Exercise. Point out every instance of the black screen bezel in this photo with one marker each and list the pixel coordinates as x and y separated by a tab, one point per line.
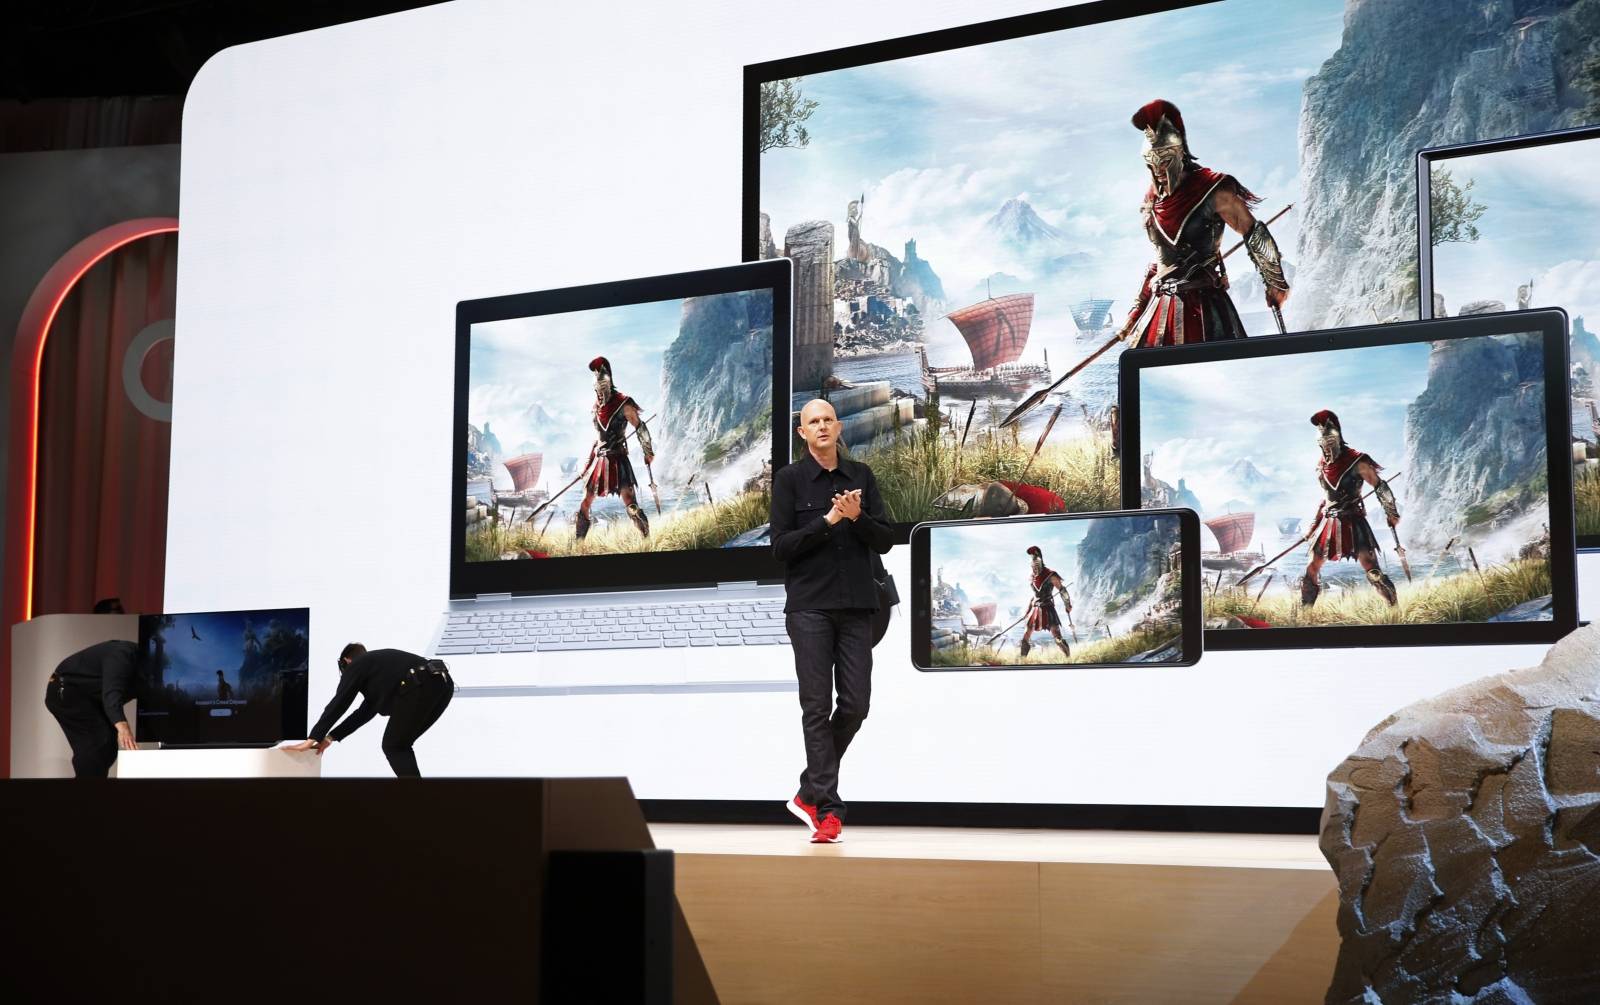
942	40
1549	323
1425	160
921	614
618	572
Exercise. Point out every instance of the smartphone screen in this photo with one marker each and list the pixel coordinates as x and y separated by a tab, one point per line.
1077	590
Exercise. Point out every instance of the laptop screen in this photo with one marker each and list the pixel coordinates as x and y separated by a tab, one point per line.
621	428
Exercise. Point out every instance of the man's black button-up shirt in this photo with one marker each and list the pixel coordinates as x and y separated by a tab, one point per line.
827	566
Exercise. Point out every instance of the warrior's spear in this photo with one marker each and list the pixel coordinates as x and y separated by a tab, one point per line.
581	474
1483	582
1442	556
1401	551
1042	437
964	430
1033	400
1258	570
1002	635
546	526
652	476
1270	576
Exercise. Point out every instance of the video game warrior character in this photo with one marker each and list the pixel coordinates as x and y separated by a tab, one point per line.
1042	616
224	689
610	471
1343	474
1184	295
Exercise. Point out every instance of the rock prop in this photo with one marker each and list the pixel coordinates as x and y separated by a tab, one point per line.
1466	840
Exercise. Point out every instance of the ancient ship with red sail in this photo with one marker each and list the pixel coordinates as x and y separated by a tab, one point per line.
1233	532
996	330
984	626
525	470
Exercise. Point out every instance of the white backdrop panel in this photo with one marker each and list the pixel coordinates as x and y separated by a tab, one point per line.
342	189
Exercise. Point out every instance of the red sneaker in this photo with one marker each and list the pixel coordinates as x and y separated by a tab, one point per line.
829	831
804	810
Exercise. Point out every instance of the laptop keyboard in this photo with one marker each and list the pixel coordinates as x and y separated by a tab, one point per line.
656	626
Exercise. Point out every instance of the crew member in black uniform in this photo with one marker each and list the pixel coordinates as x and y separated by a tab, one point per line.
86	695
411	690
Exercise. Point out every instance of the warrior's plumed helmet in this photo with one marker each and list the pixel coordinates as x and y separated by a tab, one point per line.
1166	144
600	365
1330	435
1162	123
1033	550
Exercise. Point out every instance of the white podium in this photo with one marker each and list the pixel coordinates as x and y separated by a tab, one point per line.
229	762
38	747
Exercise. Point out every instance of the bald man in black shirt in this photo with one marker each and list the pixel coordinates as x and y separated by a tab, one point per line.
411	690
828	521
86	695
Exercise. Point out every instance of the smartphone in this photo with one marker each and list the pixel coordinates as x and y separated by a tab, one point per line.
1068	590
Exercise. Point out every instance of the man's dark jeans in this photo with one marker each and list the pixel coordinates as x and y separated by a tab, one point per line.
832	649
423	697
82	717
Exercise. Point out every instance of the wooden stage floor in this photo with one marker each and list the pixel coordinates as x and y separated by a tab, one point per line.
924	914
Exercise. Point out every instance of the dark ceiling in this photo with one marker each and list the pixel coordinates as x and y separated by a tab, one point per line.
96	48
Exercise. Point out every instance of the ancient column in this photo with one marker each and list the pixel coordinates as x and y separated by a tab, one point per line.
810	246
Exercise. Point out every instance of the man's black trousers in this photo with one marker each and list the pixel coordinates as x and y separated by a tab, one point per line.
832	650
83	718
423	697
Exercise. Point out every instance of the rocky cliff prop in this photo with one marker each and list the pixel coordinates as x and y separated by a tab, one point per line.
1466	840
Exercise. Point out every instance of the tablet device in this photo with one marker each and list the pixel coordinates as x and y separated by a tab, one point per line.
1403	484
1508	224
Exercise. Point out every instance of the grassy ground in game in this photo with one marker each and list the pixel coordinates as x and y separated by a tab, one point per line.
702	527
1464	597
1586	502
915	470
1045	652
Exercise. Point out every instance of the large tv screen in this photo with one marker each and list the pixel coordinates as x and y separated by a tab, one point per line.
223	677
968	209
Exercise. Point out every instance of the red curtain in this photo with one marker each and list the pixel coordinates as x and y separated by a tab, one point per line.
101	529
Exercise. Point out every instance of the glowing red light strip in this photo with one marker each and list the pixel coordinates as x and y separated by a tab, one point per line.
57	284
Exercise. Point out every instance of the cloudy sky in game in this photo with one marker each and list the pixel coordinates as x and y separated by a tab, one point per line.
1541	221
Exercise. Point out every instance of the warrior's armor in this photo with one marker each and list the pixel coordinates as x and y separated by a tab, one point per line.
610	470
1184	295
1042	616
1345	532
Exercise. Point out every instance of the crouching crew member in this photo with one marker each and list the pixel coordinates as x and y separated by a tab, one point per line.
86	694
411	690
